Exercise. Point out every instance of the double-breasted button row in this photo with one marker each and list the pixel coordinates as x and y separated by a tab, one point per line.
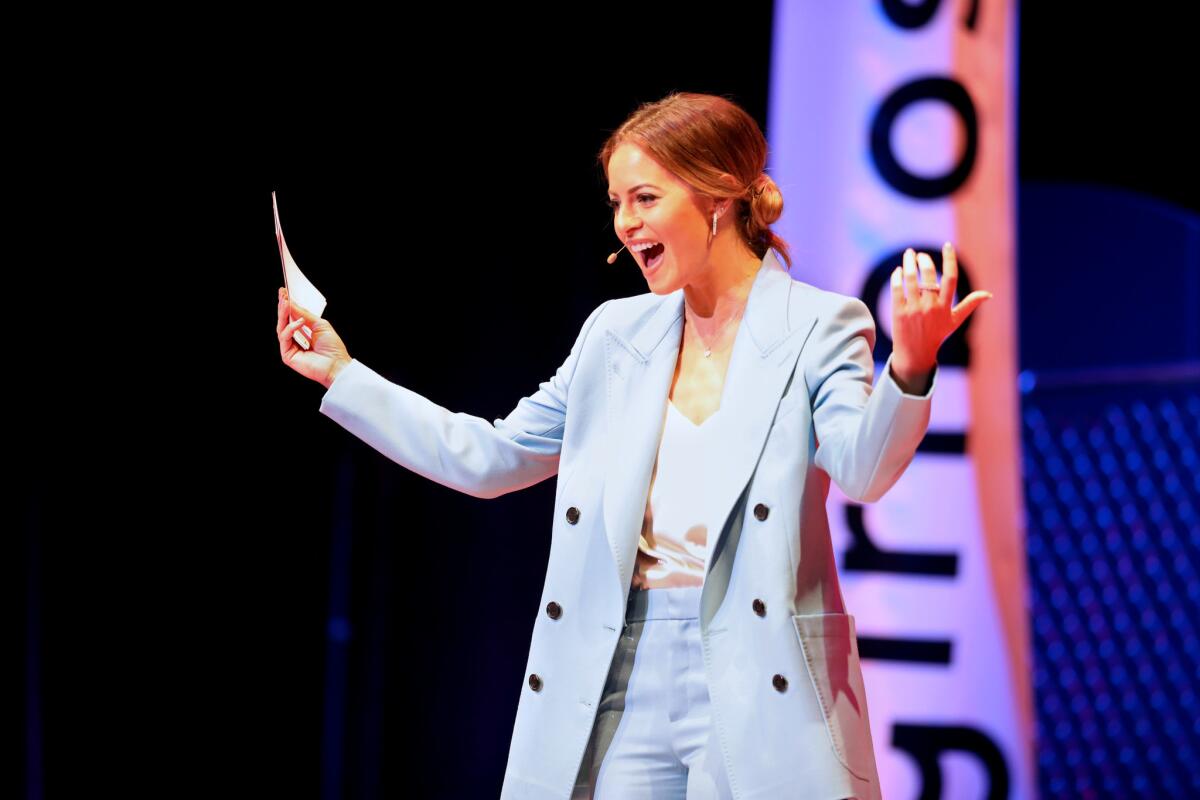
761	512
553	609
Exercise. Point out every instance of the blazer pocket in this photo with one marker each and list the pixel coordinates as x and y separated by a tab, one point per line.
830	648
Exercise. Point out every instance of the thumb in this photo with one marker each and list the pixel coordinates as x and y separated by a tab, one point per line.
968	305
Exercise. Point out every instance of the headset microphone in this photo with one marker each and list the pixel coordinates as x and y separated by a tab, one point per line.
613	257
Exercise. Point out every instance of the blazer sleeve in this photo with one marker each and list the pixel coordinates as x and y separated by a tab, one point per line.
458	450
866	437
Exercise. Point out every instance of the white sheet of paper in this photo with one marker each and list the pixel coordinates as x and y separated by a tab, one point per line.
300	289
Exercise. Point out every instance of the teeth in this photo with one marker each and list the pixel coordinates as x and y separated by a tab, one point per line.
637	248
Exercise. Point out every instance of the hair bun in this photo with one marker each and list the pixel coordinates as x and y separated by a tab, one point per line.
765	204
760	184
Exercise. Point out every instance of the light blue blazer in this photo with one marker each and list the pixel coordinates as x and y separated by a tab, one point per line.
780	649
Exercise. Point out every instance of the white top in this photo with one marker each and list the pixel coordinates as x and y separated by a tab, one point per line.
674	545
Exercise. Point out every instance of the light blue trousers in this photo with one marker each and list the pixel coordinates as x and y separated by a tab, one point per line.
653	736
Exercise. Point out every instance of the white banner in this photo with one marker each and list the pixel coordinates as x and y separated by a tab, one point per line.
892	125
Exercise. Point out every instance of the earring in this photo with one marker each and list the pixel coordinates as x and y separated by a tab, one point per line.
714	223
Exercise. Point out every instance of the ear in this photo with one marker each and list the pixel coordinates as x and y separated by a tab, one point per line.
724	204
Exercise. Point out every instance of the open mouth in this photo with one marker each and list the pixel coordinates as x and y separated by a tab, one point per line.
653	256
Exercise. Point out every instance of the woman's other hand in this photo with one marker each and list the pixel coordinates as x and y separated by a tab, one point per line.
327	356
922	320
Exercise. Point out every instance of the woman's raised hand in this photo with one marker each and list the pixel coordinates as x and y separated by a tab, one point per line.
923	319
327	356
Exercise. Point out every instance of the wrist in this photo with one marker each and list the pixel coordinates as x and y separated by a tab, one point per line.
336	368
912	380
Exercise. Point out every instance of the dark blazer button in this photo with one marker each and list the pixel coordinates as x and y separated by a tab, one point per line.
779	682
535	682
760	607
761	512
572	515
553	610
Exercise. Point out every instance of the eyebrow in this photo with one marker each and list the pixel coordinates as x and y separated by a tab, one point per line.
635	188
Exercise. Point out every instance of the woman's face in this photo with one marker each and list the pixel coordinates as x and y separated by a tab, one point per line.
652	205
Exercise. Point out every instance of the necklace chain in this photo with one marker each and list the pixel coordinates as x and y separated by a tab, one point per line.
732	317
724	325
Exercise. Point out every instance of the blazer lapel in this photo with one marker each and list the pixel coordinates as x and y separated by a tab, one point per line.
640	363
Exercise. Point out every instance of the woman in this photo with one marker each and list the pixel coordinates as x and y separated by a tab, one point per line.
692	638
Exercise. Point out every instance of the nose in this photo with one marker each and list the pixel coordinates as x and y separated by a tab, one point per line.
625	222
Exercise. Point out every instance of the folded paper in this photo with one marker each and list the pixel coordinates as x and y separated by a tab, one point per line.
299	288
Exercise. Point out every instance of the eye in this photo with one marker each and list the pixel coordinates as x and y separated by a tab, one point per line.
614	204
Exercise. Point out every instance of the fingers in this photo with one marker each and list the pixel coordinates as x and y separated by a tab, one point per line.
286	343
281	321
285	329
910	276
288	309
286	302
959	314
949	274
928	278
897	290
